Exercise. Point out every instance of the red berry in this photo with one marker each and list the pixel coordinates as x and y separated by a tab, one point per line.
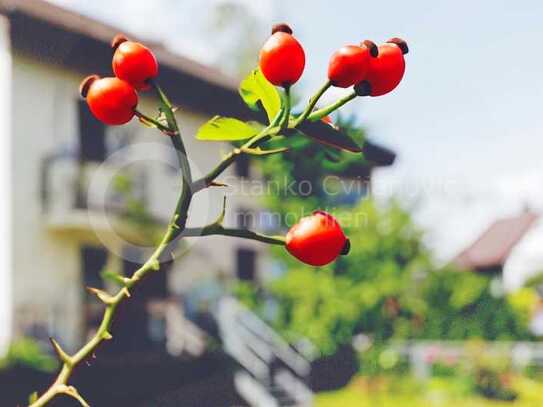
387	70
111	100
317	239
349	65
134	63
282	58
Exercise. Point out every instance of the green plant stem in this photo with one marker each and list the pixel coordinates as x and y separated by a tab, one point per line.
144	118
258	139
286	113
175	228
312	102
273	130
319	114
183	203
241	233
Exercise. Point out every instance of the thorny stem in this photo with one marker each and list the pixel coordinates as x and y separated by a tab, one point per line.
149	120
177	226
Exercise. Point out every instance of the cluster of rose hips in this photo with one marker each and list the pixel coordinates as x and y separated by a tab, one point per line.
372	70
113	100
317	239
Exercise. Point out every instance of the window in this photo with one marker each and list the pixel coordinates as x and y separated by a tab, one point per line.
93	260
242	166
246	264
245	218
92	135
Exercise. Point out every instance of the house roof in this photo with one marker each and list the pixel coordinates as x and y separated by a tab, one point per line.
493	247
63	37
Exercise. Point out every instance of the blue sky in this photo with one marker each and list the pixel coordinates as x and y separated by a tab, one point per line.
466	122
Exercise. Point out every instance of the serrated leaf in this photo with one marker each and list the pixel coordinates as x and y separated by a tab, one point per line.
255	89
330	136
225	129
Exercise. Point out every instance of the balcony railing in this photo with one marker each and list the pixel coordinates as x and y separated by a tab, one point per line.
82	197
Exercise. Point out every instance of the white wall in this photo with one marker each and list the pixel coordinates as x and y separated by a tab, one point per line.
46	265
5	186
46	278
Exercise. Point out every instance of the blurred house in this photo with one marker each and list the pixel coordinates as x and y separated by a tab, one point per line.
84	197
500	251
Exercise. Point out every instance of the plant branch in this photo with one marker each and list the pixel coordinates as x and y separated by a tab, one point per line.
174	230
325	111
286	113
242	233
229	159
149	121
312	102
280	123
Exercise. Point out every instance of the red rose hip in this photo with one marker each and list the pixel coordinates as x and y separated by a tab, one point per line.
133	62
282	58
349	65
317	239
111	100
386	71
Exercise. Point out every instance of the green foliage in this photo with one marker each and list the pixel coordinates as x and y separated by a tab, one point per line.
28	352
460	305
226	129
361	292
257	92
437	392
388	286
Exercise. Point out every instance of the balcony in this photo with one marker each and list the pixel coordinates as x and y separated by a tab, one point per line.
96	202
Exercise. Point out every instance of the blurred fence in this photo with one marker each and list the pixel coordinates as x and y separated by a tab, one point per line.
423	354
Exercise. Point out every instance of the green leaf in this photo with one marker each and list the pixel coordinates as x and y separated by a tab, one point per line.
225	129
255	88
330	136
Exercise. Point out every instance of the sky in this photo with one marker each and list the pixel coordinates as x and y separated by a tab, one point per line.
466	122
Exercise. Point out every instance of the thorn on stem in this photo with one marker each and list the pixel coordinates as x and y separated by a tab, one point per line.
220	219
126	292
63	356
155	265
102	295
72	392
217	184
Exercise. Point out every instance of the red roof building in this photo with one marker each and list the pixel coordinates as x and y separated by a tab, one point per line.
490	251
